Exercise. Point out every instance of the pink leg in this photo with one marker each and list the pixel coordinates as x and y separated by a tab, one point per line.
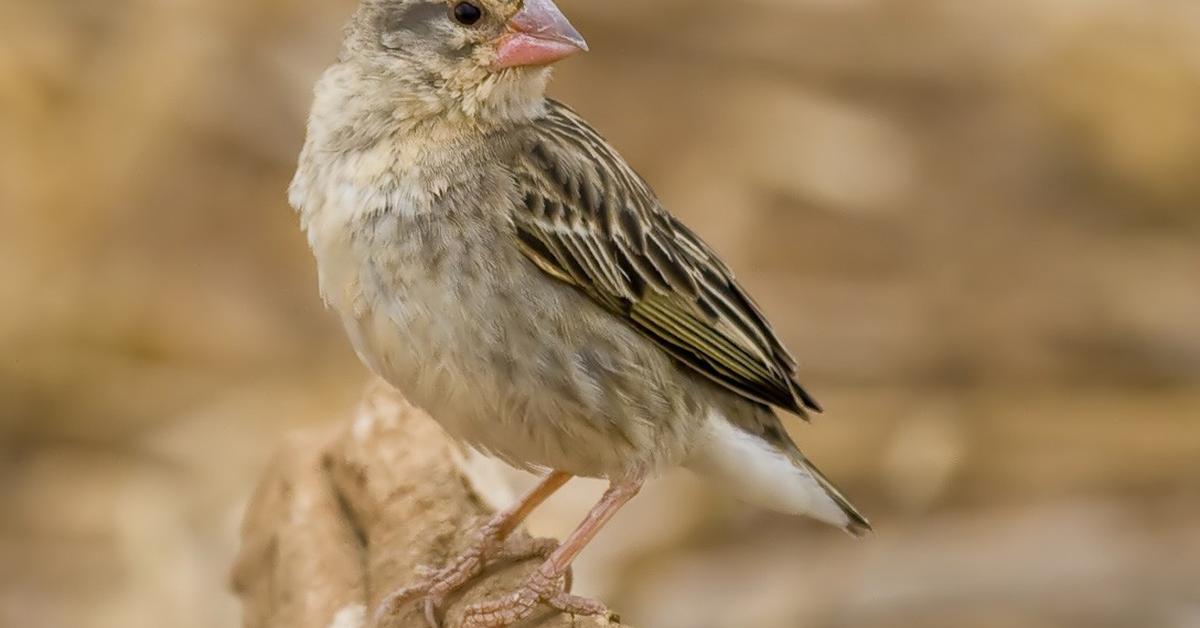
489	544
544	584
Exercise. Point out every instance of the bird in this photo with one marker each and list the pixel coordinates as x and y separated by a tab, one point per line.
493	257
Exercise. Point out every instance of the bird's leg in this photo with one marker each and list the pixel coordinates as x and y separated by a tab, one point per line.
545	584
490	543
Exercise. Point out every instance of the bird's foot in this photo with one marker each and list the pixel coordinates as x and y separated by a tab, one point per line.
437	584
543	586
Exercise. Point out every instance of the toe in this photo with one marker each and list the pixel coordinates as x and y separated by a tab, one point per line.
522	603
576	605
503	611
392	604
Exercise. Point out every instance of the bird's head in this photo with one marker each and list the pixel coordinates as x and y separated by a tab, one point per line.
483	61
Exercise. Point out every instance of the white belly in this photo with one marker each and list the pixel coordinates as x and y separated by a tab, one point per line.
423	341
445	308
426	329
505	358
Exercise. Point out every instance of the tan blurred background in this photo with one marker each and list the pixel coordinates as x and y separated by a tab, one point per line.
976	222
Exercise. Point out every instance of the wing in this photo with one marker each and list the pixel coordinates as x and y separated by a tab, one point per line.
589	220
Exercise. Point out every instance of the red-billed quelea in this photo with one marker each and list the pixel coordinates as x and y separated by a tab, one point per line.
495	259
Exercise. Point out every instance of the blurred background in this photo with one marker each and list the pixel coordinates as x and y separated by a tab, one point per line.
976	223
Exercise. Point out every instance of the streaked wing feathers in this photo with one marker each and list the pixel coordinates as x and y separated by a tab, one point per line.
589	220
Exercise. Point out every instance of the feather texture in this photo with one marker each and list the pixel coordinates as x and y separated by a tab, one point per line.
586	218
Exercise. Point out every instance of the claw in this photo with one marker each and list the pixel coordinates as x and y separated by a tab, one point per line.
436	585
576	605
492	541
431	612
543	586
542	547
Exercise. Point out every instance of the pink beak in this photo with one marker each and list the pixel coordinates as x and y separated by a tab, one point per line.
539	34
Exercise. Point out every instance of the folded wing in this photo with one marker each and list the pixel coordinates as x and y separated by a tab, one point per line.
588	219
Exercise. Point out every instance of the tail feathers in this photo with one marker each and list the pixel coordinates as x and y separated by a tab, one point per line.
857	524
774	475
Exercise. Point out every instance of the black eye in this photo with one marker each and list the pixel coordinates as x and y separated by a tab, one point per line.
467	14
